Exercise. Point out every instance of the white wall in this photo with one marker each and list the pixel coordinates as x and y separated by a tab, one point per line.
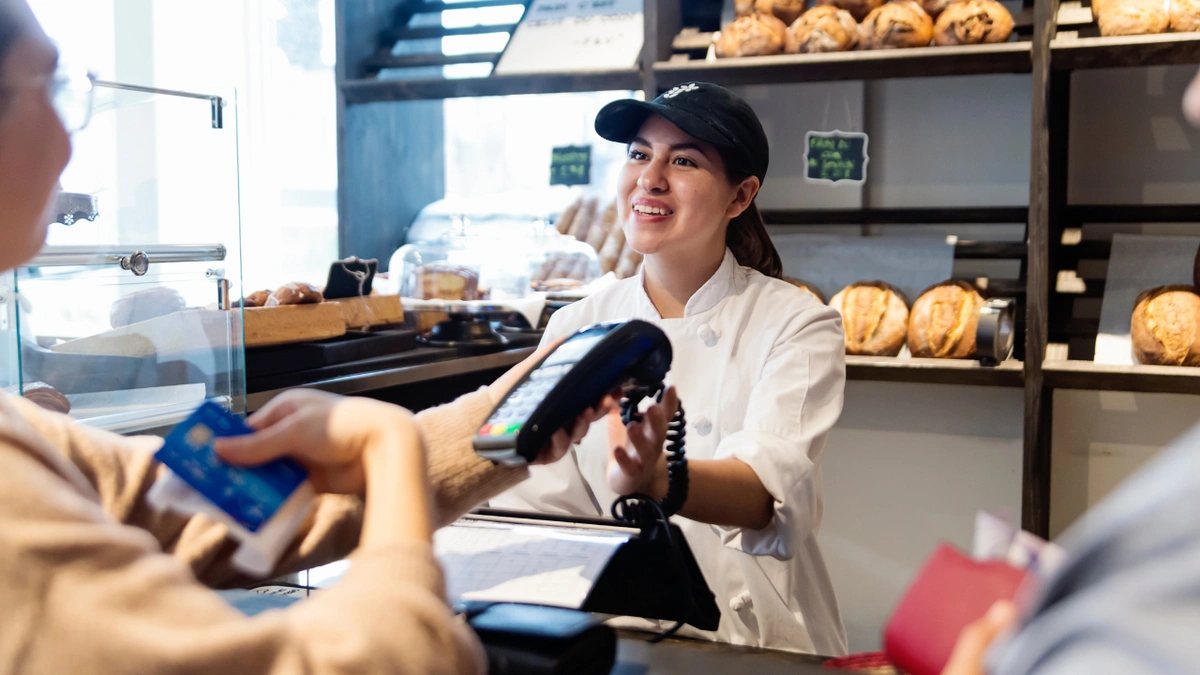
908	465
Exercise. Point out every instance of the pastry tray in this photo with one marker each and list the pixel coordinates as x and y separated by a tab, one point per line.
353	346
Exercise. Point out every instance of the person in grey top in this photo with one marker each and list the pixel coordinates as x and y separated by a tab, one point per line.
1128	598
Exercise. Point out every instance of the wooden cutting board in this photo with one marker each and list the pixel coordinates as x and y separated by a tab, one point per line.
266	326
372	310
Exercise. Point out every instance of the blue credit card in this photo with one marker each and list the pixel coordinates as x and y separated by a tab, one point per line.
250	495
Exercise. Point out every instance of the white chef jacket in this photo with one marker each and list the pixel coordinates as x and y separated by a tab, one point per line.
760	369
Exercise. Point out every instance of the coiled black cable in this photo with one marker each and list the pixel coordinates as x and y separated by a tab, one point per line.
647	512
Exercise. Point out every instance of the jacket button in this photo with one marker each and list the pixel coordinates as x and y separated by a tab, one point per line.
707	335
702	425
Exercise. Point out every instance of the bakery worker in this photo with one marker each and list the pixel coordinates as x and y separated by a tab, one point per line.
758	364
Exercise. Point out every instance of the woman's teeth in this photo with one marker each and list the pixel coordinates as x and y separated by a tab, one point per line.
651	210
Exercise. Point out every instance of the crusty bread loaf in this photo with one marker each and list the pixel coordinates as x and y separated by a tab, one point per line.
1196	270
747	7
1133	17
295	293
568	216
874	317
628	265
896	25
610	253
757	34
786	11
145	305
47	397
582	222
973	22
934	8
1165	326
859	9
256	299
806	287
823	29
598	234
1185	16
943	321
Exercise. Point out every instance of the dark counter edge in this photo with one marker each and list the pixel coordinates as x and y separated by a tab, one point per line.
394	377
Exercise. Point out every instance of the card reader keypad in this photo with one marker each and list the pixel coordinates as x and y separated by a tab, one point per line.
520	404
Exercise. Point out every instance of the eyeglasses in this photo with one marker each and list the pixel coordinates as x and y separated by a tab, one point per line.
71	93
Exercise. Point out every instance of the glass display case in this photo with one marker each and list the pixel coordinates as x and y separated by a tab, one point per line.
126	310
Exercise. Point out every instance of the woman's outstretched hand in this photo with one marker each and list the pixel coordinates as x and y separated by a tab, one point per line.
636	463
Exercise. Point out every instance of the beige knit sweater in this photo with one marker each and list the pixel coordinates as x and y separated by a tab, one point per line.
92	580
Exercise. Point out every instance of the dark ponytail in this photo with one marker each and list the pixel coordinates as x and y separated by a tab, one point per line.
751	245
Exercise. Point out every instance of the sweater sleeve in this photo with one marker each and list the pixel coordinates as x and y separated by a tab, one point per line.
85	594
122	470
462	479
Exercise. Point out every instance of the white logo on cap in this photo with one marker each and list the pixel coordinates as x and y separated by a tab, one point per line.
691	86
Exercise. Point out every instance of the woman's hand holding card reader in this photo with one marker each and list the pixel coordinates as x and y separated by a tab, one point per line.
568	381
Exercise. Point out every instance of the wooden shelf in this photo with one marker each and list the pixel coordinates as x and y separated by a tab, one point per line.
1007	57
1070	52
1133	213
981	215
934	371
1097	376
373	90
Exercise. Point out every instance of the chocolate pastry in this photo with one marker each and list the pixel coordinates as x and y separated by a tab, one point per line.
823	29
1133	17
46	397
943	321
1165	326
295	293
806	287
1185	16
874	317
973	22
859	9
900	24
754	35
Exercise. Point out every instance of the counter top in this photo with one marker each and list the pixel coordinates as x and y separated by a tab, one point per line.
637	656
429	364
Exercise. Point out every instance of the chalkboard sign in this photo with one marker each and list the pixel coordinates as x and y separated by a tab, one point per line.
836	157
571	165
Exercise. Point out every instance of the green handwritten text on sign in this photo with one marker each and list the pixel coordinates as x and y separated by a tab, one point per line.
836	157
571	165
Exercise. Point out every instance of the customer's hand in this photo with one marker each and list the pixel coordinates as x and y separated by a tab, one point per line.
328	434
636	463
974	641
563	439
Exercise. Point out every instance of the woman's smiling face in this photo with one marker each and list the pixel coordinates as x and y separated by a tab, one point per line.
674	195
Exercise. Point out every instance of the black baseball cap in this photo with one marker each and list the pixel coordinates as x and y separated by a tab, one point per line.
706	111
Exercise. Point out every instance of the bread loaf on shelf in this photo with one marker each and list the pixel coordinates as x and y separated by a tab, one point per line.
1132	17
747	7
823	29
786	11
603	226
973	22
934	8
757	34
295	293
1165	326
874	317
806	287
943	321
610	252
256	299
568	216
859	9
897	25
584	217
1185	16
